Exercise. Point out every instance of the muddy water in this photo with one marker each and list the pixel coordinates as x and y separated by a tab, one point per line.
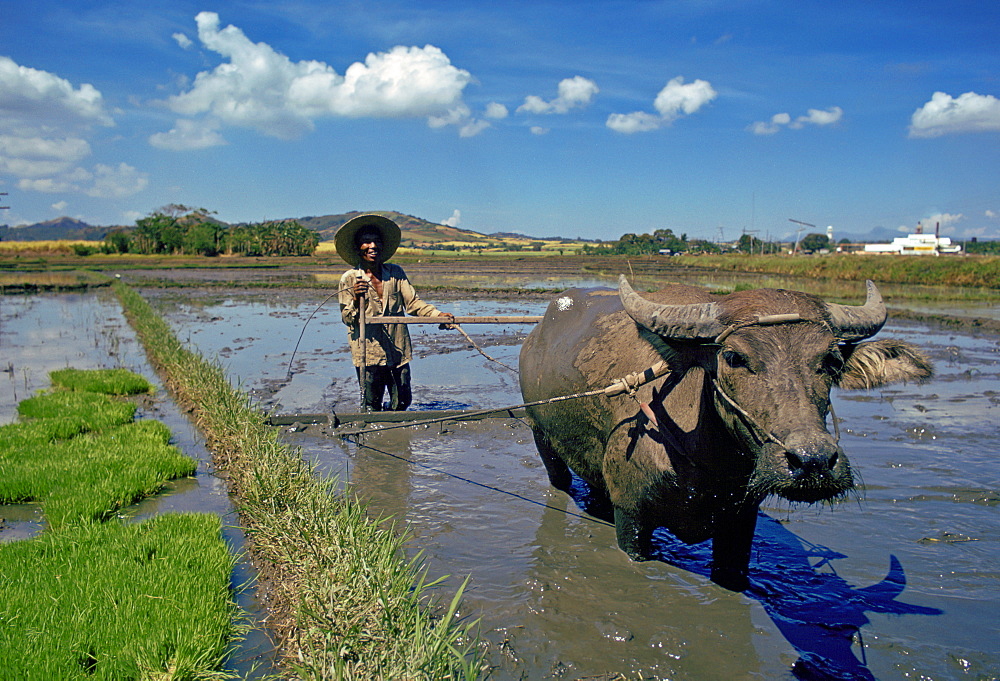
900	584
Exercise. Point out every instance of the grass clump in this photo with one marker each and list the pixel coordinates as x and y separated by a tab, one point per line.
115	601
106	381
344	602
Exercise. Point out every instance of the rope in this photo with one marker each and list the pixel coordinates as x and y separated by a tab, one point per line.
485	486
288	374
480	350
627	384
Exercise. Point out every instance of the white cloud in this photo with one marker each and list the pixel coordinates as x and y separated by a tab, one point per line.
260	88
59	206
676	99
189	134
783	120
473	127
947	222
496	111
575	92
637	121
539	130
774	125
33	157
454	220
116	182
32	101
103	182
945	115
817	117
991	214
182	40
44	121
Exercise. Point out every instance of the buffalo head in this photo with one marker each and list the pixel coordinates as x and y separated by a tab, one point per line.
772	357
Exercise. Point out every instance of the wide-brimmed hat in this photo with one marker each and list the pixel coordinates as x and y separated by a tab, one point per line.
348	250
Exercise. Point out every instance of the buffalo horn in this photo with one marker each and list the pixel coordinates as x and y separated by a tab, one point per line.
856	322
693	321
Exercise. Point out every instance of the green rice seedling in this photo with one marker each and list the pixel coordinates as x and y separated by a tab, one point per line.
91	410
107	381
117	601
88	478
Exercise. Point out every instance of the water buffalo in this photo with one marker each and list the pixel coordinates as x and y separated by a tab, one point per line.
737	410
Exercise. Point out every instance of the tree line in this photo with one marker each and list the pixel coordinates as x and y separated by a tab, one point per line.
180	230
664	240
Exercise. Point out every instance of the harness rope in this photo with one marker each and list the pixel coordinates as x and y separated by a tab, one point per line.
627	384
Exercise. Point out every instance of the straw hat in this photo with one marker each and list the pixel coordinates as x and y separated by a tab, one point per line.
344	240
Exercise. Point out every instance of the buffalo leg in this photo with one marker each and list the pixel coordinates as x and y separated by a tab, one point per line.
731	548
558	471
634	536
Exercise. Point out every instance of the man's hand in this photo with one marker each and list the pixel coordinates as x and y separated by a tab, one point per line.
360	288
447	327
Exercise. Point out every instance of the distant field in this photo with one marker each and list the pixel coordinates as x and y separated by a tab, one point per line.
966	271
7	247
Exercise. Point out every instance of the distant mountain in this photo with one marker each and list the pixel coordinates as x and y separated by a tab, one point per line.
415	231
60	229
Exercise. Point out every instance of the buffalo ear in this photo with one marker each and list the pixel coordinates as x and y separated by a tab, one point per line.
877	363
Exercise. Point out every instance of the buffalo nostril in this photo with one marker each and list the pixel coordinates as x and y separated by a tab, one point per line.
794	460
800	462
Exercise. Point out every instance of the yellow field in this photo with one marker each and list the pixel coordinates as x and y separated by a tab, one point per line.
45	246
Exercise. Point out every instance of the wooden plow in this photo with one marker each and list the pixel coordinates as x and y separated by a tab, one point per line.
336	420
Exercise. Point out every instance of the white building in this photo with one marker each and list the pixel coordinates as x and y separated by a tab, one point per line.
916	244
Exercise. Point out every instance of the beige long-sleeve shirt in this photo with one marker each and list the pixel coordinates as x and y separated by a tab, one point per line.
387	344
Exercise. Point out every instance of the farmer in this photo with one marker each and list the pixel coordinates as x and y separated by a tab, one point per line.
366	242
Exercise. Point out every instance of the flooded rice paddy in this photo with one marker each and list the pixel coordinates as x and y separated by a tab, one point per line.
901	583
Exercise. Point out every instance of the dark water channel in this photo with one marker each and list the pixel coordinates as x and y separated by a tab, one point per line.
901	584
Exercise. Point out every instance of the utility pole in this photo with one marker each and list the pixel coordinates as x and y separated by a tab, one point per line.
799	233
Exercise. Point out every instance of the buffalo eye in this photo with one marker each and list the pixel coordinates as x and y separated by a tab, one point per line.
832	364
735	360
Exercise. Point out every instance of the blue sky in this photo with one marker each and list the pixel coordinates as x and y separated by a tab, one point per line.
576	118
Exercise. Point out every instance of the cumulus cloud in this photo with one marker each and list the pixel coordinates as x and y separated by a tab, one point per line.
539	130
44	124
947	222
106	182
780	121
473	127
33	100
944	115
189	134
454	220
260	88
574	93
676	99
183	41
496	111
